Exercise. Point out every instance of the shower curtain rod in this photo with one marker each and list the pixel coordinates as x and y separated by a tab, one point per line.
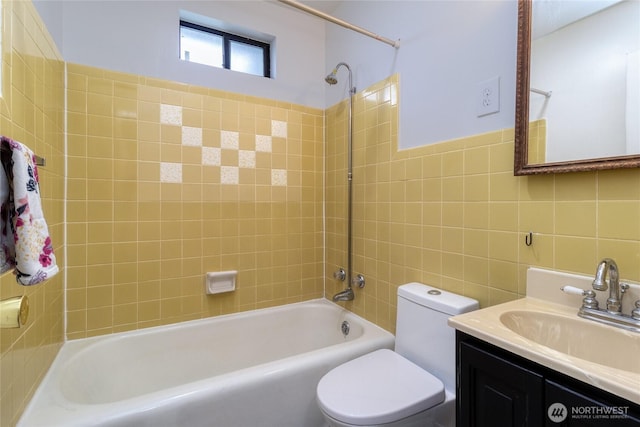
325	16
541	92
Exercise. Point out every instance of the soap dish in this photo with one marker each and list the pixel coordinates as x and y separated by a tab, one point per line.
221	281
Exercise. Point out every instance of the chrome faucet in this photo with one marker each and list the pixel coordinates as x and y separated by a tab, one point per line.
613	314
346	295
614	302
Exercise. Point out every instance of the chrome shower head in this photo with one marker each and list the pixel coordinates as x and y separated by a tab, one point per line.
331	77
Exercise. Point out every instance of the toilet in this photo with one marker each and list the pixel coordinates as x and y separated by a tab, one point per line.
411	386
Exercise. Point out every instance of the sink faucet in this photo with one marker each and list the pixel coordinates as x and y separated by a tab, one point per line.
607	265
613	314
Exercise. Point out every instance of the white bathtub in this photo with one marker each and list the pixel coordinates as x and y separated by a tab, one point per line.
258	368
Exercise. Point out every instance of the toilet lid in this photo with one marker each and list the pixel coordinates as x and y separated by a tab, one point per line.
377	388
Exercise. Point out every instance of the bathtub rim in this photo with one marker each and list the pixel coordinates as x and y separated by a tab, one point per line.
81	343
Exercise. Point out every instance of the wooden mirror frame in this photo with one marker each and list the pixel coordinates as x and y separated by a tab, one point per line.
521	167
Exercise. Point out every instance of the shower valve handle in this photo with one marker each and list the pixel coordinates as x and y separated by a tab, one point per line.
358	281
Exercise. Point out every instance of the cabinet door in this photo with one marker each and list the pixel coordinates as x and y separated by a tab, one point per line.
569	407
494	392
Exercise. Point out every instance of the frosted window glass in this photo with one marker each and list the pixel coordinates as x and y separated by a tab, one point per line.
201	47
247	58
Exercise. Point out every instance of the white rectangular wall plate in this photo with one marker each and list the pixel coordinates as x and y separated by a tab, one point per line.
488	97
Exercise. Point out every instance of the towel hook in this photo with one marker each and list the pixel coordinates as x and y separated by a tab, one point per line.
528	239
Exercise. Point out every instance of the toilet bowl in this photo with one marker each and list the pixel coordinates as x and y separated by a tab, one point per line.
411	386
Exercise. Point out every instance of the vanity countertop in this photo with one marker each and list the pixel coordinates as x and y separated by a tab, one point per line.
486	325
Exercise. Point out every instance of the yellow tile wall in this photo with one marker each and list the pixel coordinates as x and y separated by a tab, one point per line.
32	112
169	181
453	215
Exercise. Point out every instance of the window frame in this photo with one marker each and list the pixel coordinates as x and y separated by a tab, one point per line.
227	38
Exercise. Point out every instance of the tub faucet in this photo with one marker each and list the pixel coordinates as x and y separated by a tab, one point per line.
346	295
614	302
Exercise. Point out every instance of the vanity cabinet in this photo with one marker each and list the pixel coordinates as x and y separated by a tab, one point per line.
496	388
494	391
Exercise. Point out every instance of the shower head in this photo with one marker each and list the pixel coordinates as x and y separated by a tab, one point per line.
331	77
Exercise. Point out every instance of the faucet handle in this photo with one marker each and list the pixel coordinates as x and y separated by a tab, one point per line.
635	314
624	287
589	300
358	281
572	290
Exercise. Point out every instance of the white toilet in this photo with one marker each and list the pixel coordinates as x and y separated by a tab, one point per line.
413	386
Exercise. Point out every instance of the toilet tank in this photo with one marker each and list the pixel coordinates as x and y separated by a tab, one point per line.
422	333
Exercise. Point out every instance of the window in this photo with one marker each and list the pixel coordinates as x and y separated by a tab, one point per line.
224	50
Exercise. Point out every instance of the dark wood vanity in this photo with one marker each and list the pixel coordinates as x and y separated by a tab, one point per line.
496	388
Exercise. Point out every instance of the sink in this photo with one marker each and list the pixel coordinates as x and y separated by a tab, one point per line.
552	334
576	337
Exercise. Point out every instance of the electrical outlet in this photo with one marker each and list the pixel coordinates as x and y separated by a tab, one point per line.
488	93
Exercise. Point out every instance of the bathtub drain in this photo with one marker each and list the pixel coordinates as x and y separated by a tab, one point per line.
345	328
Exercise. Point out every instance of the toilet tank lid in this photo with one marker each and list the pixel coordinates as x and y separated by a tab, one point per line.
437	299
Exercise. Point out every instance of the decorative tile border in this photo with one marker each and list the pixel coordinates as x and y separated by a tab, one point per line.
212	156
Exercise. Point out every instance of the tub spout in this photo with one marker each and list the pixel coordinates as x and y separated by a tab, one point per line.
346	295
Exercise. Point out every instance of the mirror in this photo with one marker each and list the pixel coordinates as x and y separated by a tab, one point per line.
578	86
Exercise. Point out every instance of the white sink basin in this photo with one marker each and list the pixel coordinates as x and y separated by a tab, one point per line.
576	337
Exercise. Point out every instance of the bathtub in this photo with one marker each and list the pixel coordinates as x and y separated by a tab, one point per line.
257	368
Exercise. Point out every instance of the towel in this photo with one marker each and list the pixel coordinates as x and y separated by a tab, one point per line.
24	235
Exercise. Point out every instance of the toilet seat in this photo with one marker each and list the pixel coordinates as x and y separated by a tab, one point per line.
378	388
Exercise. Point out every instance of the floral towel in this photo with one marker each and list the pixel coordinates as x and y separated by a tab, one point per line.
24	236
